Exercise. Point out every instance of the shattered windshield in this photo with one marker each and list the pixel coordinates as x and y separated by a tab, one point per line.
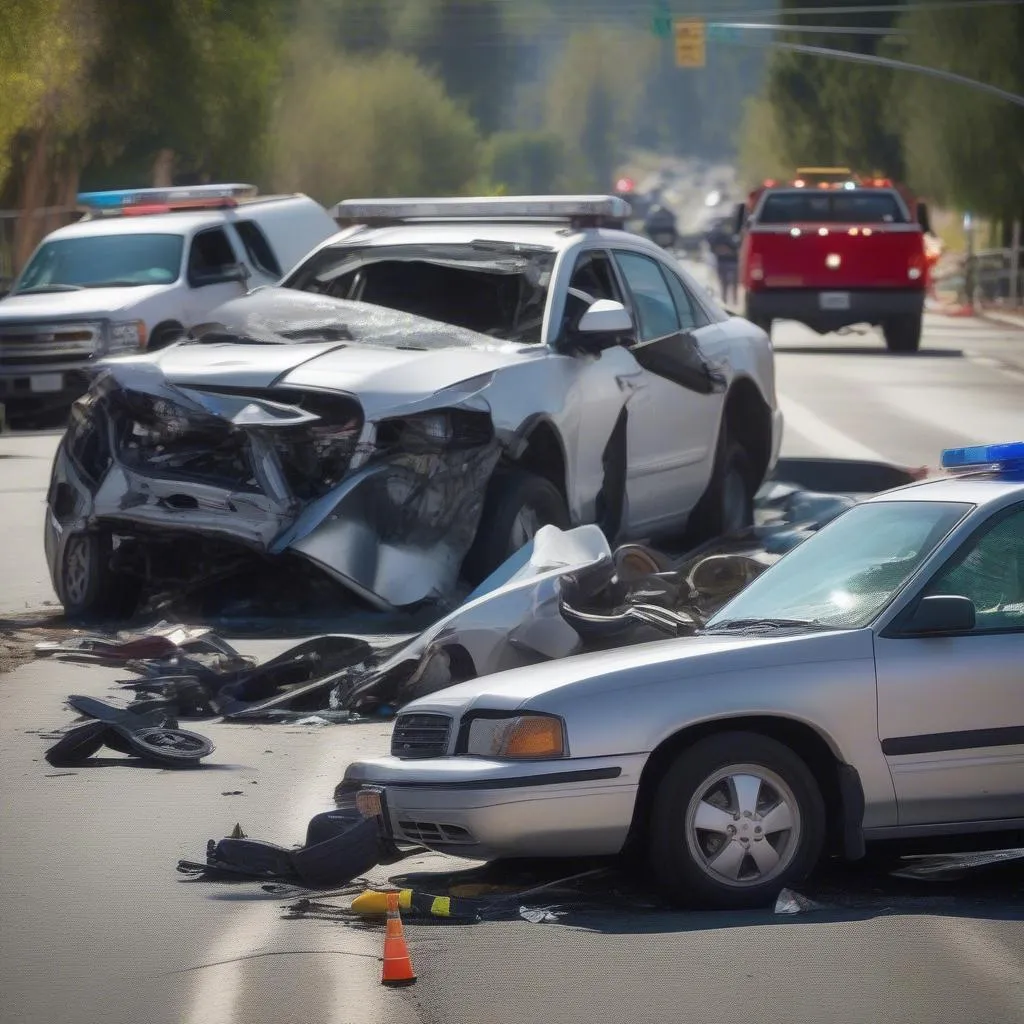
102	261
494	288
845	575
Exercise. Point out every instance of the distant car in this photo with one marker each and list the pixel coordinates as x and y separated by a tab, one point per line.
867	686
421	394
139	269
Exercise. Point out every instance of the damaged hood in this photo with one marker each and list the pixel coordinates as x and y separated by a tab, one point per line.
552	686
279	337
86	302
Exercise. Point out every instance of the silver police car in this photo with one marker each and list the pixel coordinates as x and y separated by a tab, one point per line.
868	686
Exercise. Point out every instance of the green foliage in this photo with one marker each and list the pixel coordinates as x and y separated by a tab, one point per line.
525	163
964	147
370	126
835	113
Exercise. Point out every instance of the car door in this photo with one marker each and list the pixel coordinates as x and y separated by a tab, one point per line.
951	707
675	410
211	255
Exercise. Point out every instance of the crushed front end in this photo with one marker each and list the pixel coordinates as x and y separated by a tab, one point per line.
185	482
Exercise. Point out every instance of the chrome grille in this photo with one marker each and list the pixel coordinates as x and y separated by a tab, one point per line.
421	735
42	344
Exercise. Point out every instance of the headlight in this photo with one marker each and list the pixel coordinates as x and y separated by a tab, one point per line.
522	736
130	335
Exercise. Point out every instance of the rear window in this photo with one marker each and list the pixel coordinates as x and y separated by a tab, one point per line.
846	207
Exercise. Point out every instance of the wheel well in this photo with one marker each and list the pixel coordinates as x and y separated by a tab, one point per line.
164	327
802	739
749	421
543	455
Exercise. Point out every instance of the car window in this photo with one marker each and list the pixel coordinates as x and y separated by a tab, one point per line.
594	276
989	571
102	261
801	206
211	254
847	573
652	300
691	313
257	248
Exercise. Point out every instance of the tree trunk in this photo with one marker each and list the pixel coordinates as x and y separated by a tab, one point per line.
163	169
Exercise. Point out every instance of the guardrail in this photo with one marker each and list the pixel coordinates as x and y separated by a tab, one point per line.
994	276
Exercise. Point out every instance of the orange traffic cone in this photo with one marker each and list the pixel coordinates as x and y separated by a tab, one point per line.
397	963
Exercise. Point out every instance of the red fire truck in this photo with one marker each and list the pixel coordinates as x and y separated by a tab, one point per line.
831	249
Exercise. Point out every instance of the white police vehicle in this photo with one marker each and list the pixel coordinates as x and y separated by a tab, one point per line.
141	267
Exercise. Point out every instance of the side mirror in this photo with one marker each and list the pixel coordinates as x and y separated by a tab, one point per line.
238	272
604	324
923	218
233	272
941	613
739	218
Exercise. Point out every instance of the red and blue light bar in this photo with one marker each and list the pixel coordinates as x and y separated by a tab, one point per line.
1006	459
142	201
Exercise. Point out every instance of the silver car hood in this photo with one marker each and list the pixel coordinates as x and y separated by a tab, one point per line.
685	661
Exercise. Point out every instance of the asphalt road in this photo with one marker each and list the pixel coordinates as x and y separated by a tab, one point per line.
96	926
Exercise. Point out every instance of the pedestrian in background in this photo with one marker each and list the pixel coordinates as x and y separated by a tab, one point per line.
725	249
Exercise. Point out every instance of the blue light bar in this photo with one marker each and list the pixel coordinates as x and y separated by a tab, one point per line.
120	199
1007	459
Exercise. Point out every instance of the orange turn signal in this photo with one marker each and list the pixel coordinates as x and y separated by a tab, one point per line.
534	736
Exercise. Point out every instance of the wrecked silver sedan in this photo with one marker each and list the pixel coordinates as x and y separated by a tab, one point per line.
408	408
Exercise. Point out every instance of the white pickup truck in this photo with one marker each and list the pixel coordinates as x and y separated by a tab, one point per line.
138	269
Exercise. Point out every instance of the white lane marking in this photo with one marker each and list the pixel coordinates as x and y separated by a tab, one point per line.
217	990
813	428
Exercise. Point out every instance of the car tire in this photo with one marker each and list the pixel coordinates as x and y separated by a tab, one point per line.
87	585
903	333
518	503
172	747
77	745
727	506
710	784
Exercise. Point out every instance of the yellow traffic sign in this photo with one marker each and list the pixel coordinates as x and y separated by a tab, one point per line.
690	40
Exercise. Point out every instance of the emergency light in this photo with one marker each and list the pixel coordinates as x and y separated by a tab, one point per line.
163	200
1006	459
594	209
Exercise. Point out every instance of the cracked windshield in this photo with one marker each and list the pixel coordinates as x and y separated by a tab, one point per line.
512	507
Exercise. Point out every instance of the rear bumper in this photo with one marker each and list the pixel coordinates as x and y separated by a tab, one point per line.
814	306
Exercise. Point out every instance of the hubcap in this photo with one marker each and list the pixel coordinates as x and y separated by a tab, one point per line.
76	569
524	527
743	826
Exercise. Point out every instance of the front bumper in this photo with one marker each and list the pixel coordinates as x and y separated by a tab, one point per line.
817	307
485	810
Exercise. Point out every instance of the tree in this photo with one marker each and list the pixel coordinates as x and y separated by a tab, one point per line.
595	94
964	147
525	163
370	126
835	112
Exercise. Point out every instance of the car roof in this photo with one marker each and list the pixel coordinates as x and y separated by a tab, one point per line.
982	489
179	222
555	235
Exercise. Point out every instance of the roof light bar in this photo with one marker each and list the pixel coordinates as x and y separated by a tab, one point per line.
591	210
160	200
1007	459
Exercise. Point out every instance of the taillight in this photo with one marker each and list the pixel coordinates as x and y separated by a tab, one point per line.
756	267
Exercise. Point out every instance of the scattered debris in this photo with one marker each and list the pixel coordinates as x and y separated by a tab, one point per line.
790	902
146	729
953	866
541	915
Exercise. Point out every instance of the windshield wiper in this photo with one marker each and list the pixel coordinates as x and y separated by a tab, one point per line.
44	288
730	624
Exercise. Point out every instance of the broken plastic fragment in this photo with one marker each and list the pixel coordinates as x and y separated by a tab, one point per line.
540	915
790	902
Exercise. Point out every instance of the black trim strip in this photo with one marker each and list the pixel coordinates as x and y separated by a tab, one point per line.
931	743
548	779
